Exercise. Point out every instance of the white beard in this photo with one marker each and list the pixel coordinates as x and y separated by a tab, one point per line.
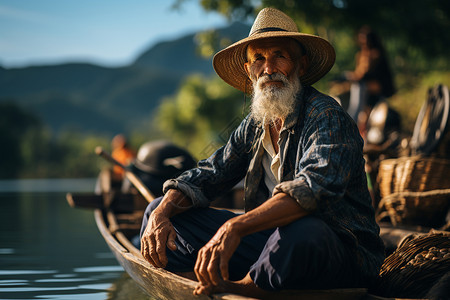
272	102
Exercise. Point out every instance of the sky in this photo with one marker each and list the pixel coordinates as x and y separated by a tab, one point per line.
105	32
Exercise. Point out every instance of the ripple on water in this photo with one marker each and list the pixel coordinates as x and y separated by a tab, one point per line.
100	295
13	282
99	269
25	272
7	251
60	280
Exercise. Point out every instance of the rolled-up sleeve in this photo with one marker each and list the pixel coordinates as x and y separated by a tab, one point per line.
220	172
300	191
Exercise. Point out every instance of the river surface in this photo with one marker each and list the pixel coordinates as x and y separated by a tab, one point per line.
49	250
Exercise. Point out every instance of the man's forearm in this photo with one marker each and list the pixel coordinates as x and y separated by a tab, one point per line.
173	203
278	211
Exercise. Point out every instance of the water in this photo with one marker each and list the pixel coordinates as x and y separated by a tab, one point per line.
49	250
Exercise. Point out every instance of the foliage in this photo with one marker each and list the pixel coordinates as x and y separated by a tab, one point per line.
15	123
31	151
414	25
201	114
207	42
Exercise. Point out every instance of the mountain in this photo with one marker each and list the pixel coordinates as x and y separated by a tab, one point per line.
91	98
172	55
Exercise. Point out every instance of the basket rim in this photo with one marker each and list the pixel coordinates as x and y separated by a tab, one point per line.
416	158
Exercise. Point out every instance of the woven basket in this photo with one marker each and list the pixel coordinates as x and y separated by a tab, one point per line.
411	271
414	174
414	190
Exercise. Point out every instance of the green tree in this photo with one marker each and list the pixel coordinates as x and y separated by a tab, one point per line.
38	154
77	154
29	150
15	123
201	115
412	25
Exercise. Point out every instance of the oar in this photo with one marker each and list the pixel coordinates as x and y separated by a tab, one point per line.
128	174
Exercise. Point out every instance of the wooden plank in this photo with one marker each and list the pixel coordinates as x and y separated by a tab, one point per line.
121	238
107	236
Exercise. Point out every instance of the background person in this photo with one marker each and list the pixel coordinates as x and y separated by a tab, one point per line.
123	153
371	81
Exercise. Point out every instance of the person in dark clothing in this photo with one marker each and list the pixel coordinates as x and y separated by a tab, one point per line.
308	220
372	79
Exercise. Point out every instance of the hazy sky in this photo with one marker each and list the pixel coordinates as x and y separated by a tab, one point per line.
106	32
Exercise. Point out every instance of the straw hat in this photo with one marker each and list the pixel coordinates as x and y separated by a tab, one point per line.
270	23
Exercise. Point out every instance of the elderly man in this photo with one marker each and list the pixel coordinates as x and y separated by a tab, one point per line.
309	223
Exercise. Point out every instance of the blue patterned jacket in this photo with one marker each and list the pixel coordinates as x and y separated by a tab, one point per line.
322	168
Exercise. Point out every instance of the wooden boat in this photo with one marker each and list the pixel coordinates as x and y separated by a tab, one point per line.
118	229
118	217
120	223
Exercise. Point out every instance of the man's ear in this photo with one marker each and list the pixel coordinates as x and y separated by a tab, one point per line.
247	68
304	64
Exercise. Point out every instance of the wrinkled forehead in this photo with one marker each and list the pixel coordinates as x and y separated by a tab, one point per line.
292	46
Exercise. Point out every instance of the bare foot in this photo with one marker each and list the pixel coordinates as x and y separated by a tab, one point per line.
244	287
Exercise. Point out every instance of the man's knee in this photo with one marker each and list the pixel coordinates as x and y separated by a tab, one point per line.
308	242
299	255
308	232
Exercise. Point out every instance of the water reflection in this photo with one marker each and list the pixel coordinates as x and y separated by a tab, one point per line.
125	288
51	251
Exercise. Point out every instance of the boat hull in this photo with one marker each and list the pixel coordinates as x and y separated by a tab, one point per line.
161	284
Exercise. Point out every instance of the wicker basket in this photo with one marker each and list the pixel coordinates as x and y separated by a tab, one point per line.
414	190
414	174
417	264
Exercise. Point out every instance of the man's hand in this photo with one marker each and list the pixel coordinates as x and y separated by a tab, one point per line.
158	234
211	267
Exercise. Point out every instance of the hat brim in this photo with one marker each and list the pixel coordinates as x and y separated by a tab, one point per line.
229	63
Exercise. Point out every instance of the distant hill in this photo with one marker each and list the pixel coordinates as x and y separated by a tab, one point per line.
91	98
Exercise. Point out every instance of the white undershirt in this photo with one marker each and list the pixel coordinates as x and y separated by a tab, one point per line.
271	161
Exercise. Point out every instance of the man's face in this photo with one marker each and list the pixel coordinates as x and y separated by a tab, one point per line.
277	55
274	67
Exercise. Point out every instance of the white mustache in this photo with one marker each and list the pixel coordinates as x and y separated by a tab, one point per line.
272	77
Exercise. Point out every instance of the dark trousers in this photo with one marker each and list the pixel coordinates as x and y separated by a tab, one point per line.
305	254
